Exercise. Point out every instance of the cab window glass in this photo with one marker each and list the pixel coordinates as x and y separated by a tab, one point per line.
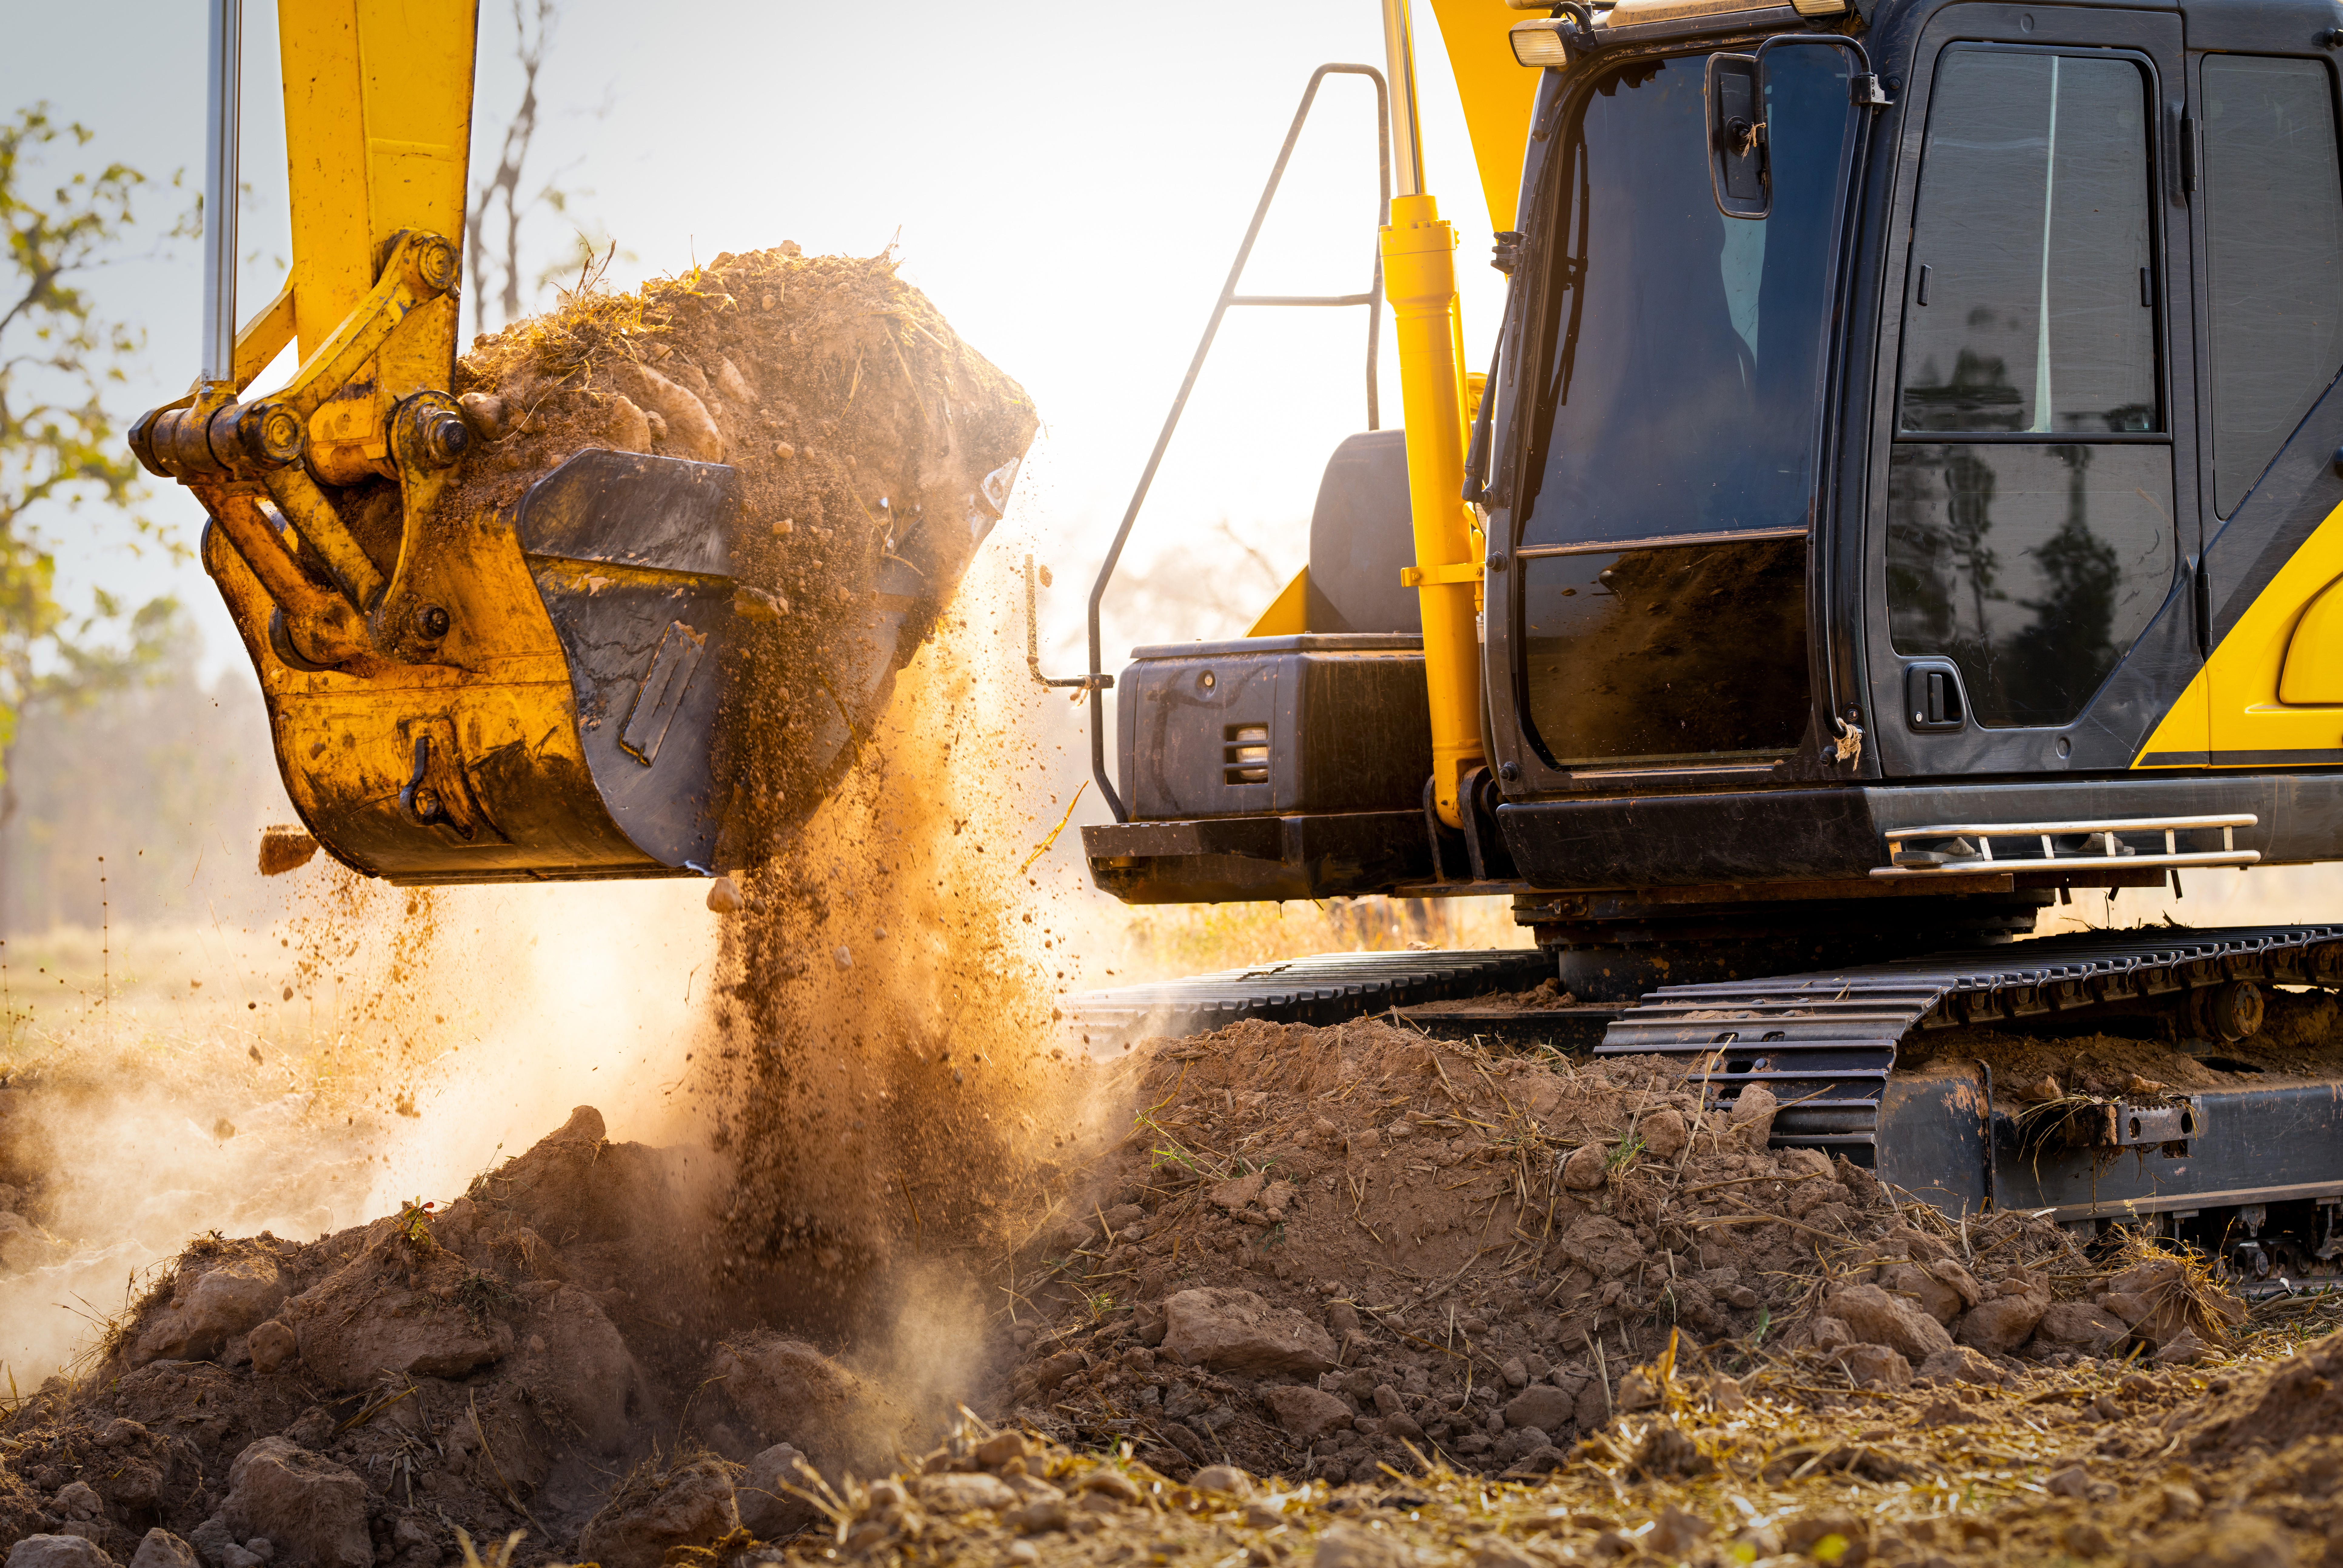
2274	248
2028	305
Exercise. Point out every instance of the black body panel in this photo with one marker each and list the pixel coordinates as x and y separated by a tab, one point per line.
1361	536
1269	725
1246	859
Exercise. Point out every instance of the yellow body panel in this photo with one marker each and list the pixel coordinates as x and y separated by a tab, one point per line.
1288	614
2235	708
2313	672
1498	94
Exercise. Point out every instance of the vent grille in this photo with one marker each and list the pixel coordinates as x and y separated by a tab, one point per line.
1244	754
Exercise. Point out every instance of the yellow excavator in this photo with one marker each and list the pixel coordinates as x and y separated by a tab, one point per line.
1906	490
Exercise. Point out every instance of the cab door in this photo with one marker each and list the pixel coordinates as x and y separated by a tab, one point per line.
2035	518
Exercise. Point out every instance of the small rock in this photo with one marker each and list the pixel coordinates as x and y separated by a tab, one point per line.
1874	1317
1235	1193
313	1509
57	1552
2185	1348
1664	1133
690	1505
1111	1483
272	1345
2072	1482
1638	1390
1236	1331
767	1508
1963	1282
1306	1413
161	1549
1222	1478
1999	1326
1932	1295
1542	1460
1804	1164
843	956
1001	1448
485	412
787	1392
1586	1166
1544	1406
1876	1366
965	1493
79	1500
210	1308
1752	1120
2178	1502
1961	1364
1948	1413
2073	1325
1516	1373
1043	1513
1667	1451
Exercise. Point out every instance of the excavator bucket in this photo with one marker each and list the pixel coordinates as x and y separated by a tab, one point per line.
508	662
565	726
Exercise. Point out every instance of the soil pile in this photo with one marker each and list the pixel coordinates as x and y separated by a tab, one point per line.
1323	1251
873	450
515	1361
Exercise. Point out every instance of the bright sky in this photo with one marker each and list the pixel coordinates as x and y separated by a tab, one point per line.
1068	182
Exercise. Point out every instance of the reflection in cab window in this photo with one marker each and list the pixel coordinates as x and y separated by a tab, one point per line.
2032	568
1683	375
2029	310
2031	247
2274	242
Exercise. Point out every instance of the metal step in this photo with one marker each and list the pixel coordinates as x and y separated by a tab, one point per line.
1325	989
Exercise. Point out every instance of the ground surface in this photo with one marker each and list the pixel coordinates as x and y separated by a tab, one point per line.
1348	1291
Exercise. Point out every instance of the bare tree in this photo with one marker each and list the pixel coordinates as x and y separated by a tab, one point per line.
531	34
499	204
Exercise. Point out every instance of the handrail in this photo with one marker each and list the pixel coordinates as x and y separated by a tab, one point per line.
1097	680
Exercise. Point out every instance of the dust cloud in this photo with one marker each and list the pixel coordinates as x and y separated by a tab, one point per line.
377	1045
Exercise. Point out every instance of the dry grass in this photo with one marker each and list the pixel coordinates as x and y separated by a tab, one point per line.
1786	1463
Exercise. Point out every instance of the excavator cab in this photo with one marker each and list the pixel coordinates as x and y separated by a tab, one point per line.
1905	495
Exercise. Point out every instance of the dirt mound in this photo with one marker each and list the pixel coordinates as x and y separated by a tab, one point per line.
873	450
1319	1250
500	1363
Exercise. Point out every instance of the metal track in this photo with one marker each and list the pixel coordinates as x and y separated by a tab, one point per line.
1326	989
1825	1043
